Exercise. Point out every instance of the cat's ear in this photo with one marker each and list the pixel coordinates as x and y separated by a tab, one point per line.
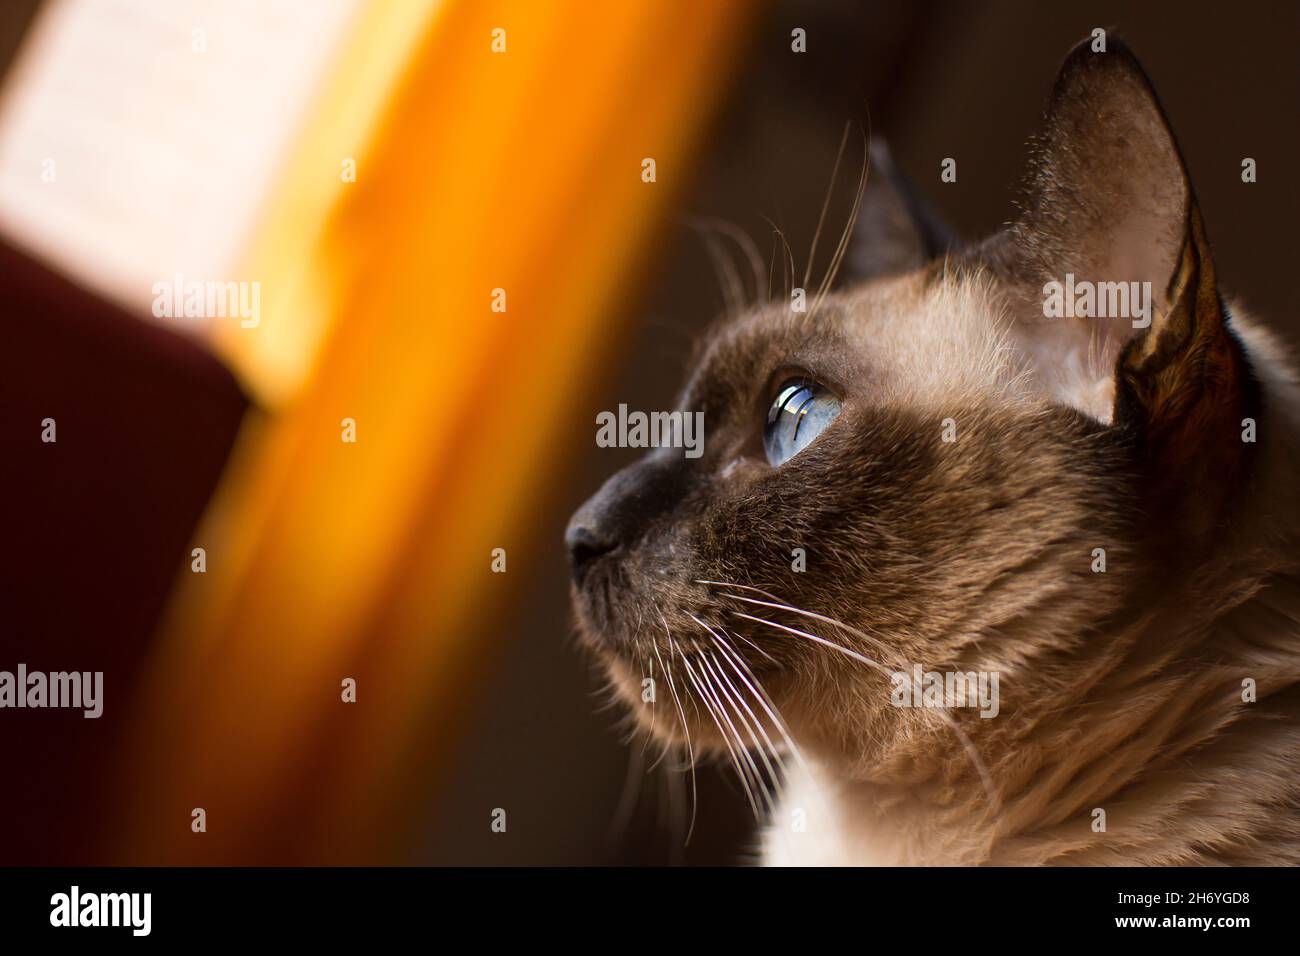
1109	200
1107	196
897	230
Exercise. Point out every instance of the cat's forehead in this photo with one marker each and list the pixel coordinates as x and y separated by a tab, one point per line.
926	336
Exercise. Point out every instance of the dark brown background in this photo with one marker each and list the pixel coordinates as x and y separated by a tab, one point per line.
941	79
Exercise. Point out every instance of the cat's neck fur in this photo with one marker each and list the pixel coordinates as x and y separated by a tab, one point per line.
1161	742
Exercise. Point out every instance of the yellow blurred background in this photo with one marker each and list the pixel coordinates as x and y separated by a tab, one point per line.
507	155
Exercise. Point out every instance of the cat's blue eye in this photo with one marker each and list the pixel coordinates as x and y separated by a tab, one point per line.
799	413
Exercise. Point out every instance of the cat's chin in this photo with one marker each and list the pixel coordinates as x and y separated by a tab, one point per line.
641	700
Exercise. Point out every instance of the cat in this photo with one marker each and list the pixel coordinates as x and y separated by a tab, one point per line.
926	473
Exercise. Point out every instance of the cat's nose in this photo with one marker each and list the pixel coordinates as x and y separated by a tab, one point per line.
616	517
586	542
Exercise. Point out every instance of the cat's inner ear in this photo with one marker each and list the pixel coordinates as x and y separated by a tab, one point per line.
1107	196
897	230
1110	209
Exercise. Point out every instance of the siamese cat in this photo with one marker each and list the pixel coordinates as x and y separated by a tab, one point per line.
950	481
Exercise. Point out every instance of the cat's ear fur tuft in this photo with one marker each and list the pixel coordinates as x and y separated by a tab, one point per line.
1108	199
897	230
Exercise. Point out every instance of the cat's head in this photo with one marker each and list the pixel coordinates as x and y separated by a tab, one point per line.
927	466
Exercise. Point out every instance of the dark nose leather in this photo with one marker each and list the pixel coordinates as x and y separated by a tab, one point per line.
585	545
617	515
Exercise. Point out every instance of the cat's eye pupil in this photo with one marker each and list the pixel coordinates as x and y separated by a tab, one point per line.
799	413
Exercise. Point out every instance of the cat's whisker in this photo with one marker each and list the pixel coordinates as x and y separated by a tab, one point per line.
755	647
826	203
787	262
874	642
654	698
967	745
776	603
848	652
681	713
743	240
731	737
663	755
728	703
750	680
654	704
751	723
766	749
703	696
628	799
662	741
739	698
781	606
846	237
644	664
675	786
738	587
729	283
765	700
771	270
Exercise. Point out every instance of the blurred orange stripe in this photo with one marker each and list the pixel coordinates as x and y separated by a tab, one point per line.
521	171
